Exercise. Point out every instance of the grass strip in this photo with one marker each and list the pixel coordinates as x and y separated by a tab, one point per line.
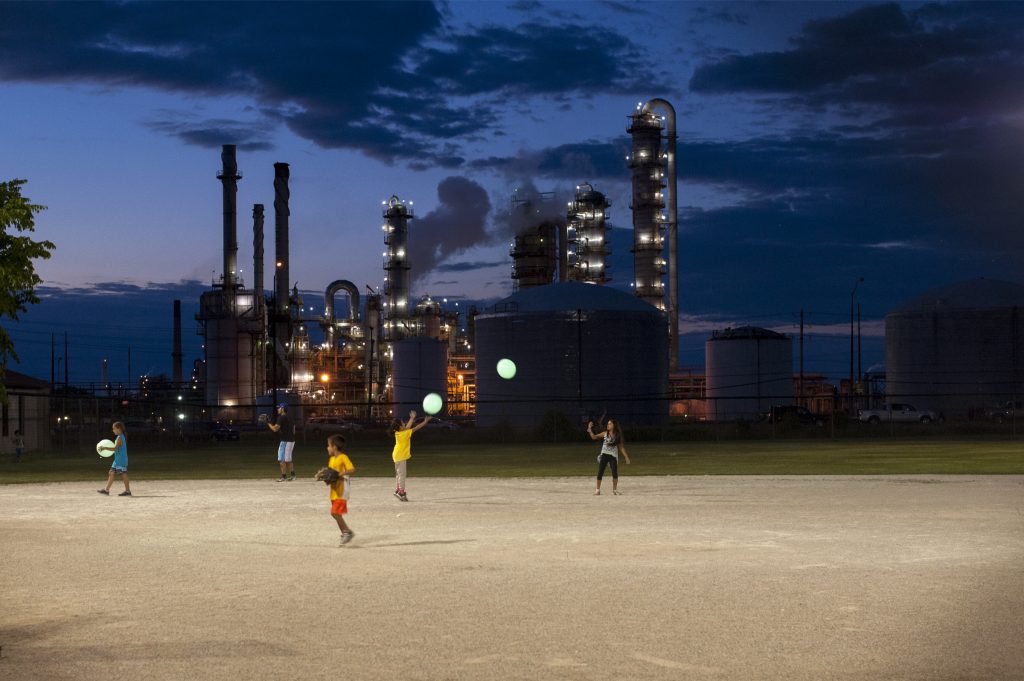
248	460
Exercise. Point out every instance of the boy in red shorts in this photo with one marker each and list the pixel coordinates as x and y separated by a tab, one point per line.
340	462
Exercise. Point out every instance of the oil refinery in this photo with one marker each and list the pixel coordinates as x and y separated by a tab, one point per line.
383	351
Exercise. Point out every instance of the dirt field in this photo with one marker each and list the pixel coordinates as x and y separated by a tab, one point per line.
679	578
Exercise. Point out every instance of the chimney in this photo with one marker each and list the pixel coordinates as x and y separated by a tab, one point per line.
257	253
229	178
281	213
176	353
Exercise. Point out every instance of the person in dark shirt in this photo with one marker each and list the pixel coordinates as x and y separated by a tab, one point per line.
285	429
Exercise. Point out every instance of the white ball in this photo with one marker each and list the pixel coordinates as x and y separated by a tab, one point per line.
506	368
432	403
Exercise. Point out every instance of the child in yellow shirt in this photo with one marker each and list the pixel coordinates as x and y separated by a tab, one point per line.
403	450
340	462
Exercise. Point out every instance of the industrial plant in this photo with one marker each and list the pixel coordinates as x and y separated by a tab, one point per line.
583	348
584	345
382	351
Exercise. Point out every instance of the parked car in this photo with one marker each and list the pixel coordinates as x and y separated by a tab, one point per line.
331	424
210	430
1007	411
897	413
222	431
793	414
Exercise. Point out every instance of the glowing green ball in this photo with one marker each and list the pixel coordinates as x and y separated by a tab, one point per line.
432	403
506	368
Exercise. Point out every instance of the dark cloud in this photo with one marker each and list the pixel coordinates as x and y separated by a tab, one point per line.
624	7
187	288
457	224
717	14
379	77
874	40
212	134
935	65
536	58
915	156
576	162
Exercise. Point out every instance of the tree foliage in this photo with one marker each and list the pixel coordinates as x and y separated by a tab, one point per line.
18	278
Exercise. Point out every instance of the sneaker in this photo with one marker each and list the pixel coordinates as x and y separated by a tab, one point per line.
403	497
291	477
346	537
125	493
282	479
103	491
597	493
398	495
616	492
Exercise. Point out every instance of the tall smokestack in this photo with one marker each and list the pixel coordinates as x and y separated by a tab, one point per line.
257	252
176	353
229	178
281	213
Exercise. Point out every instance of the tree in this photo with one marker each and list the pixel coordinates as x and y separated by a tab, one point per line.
18	278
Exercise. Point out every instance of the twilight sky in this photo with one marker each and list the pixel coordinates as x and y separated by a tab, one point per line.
818	143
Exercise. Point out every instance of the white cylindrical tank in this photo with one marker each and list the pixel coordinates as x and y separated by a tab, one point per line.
957	348
749	370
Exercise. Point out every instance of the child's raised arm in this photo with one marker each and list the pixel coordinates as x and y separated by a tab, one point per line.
422	423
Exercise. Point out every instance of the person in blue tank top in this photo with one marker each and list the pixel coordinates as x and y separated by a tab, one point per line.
120	465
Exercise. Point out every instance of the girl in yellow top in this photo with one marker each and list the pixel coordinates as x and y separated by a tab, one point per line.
340	462
403	450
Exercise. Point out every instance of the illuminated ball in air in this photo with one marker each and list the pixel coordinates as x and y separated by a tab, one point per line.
432	403
506	368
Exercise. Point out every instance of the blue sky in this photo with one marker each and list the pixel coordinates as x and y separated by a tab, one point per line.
819	143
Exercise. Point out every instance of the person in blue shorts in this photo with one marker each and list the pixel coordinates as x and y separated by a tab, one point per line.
120	464
285	429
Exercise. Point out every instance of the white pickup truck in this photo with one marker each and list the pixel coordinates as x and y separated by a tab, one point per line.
896	413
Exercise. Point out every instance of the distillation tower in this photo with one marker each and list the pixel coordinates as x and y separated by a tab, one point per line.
653	157
396	267
587	232
536	258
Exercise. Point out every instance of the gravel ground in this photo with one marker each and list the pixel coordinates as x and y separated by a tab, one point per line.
909	578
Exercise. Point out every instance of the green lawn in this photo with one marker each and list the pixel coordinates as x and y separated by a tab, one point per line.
372	457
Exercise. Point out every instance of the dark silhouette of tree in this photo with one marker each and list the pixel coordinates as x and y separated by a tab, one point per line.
18	278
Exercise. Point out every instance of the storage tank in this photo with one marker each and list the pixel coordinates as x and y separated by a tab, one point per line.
957	348
419	367
579	349
230	330
749	370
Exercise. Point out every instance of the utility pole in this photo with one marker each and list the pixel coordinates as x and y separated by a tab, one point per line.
800	384
853	296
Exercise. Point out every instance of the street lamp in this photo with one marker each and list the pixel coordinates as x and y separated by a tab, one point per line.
325	378
853	297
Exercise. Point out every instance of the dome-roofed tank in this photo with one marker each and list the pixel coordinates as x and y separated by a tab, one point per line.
957	348
579	349
749	370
